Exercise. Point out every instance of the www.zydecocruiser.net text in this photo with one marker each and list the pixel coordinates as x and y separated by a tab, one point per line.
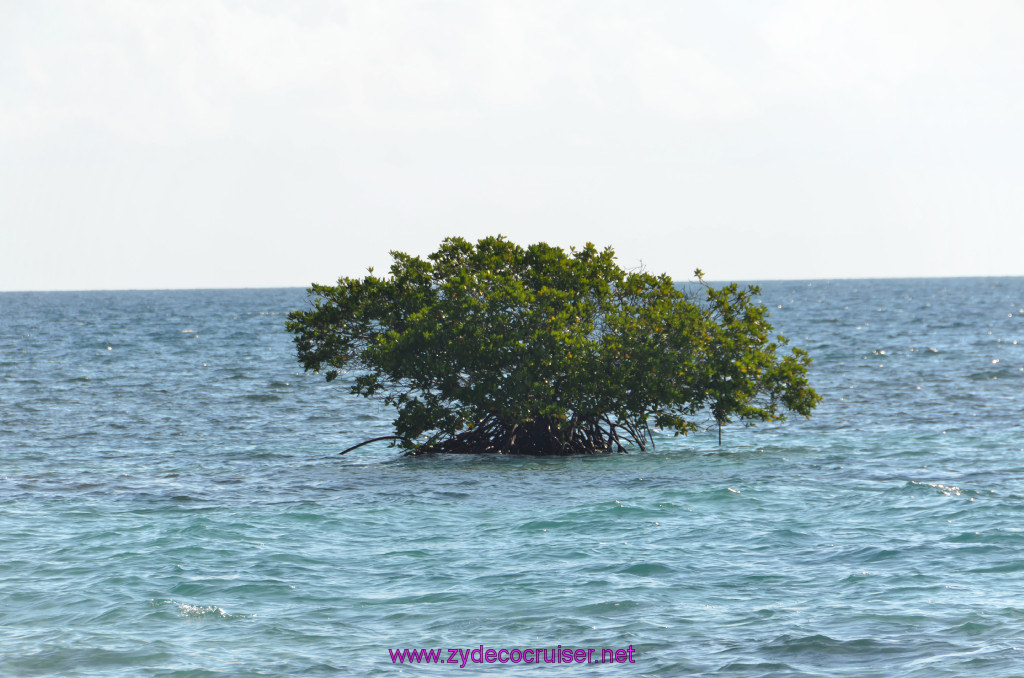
460	656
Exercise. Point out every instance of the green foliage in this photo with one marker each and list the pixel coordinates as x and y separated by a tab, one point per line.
496	347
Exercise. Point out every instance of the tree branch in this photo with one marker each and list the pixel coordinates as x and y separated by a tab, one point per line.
372	440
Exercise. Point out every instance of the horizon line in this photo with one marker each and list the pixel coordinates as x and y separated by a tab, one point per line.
295	287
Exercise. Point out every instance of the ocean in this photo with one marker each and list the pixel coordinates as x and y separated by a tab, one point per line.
172	504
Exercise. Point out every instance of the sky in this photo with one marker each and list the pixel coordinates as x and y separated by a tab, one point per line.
218	143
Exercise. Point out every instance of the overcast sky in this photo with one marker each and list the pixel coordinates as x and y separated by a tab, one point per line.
251	144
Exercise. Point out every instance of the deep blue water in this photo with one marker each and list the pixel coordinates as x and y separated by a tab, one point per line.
171	504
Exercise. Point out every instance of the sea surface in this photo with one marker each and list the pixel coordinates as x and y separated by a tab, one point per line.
172	504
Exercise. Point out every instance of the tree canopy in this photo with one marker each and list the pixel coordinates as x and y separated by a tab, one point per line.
493	347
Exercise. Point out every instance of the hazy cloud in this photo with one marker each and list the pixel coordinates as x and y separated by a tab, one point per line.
189	142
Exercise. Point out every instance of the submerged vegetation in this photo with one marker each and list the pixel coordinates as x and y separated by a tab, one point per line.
492	347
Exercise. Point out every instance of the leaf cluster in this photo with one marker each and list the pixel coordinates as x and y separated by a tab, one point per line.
500	338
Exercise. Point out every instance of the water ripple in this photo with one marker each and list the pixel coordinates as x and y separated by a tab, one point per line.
174	505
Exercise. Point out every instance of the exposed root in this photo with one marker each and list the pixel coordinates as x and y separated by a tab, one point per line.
541	437
372	440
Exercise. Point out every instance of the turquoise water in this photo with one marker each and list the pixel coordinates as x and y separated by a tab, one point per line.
171	504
